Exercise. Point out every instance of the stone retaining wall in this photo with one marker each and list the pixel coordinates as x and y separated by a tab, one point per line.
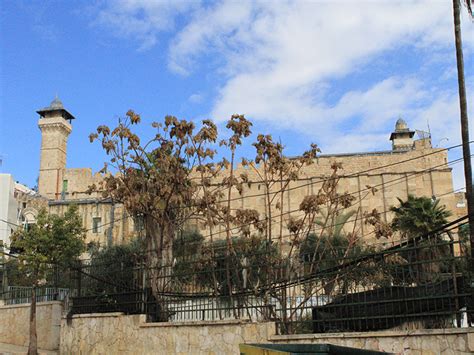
115	333
414	342
15	324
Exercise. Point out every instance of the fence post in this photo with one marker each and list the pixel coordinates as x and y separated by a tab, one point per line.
143	287
79	278
5	291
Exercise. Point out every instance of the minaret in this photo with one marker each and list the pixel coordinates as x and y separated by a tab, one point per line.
402	137
55	130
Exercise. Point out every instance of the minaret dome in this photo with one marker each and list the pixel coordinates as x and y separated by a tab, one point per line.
402	137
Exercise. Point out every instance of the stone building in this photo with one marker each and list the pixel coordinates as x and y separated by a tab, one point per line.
410	167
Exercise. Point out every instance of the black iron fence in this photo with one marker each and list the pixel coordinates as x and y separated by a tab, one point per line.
419	283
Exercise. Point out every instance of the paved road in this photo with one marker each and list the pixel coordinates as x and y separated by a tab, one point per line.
7	349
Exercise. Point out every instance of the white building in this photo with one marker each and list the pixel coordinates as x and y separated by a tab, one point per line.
18	206
8	208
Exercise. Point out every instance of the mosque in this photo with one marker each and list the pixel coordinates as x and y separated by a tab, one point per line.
411	166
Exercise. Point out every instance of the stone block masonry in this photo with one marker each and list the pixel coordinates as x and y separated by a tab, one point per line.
414	342
115	333
410	167
15	324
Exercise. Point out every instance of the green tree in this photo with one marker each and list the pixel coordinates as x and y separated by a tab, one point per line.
53	240
416	217
116	265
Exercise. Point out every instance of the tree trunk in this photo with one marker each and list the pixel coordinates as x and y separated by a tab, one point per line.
160	260
33	346
464	124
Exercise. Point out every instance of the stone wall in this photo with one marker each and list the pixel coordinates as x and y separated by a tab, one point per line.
114	224
419	172
15	324
414	342
115	333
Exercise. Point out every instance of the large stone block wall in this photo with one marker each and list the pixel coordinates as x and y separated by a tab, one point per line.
115	219
15	324
420	172
414	342
119	334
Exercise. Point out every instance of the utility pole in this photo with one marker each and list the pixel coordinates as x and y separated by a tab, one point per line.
464	122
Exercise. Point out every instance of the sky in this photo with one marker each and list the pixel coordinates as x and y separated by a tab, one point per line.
336	73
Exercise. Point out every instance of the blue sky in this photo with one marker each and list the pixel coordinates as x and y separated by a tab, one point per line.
335	73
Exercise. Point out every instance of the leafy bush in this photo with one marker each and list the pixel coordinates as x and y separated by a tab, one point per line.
114	269
251	262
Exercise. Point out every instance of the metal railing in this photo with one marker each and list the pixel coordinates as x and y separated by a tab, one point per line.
21	294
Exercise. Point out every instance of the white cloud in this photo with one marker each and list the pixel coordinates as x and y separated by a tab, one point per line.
211	29
143	20
380	103
196	98
443	118
279	60
355	142
423	109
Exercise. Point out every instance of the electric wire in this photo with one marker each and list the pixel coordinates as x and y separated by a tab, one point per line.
322	180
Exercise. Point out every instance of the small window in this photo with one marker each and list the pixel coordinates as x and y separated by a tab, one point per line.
96	224
24	205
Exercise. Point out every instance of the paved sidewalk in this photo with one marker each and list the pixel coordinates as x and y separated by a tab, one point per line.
7	349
